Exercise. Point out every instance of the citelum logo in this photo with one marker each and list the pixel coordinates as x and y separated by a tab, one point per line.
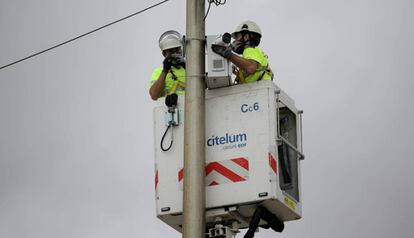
226	139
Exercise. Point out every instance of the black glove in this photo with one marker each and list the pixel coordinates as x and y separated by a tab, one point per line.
171	100
178	62
222	50
166	64
237	46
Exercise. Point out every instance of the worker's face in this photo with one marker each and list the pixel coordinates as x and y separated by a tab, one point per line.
239	42
167	53
239	37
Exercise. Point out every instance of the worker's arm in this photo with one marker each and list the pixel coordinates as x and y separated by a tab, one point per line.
248	65
157	89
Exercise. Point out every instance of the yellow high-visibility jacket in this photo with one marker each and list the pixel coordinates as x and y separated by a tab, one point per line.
263	71
174	80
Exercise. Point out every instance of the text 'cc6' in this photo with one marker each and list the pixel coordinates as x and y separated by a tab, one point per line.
250	108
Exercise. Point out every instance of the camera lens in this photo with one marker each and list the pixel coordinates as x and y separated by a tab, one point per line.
226	38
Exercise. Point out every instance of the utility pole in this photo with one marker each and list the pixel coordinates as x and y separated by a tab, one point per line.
194	134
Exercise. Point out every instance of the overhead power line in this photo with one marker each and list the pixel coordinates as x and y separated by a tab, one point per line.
80	36
216	2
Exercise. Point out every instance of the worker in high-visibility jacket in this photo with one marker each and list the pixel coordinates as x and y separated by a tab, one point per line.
170	78
253	64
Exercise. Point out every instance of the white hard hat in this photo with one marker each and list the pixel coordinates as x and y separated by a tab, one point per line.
249	26
169	40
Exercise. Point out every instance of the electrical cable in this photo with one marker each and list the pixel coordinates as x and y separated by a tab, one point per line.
216	2
208	10
163	137
85	34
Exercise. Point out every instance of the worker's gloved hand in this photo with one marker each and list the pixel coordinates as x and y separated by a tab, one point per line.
237	46
222	50
178	61
166	64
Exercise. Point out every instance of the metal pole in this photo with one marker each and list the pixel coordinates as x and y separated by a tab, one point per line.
194	135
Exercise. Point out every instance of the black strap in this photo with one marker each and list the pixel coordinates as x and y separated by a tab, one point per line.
261	76
174	77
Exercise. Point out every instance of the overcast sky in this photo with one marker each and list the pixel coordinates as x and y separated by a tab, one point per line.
76	143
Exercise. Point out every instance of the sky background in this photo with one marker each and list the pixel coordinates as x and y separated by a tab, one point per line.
76	139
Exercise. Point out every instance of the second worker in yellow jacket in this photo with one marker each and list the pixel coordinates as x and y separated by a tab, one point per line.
252	63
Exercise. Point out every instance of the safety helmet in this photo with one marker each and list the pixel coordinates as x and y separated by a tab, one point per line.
169	40
248	26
